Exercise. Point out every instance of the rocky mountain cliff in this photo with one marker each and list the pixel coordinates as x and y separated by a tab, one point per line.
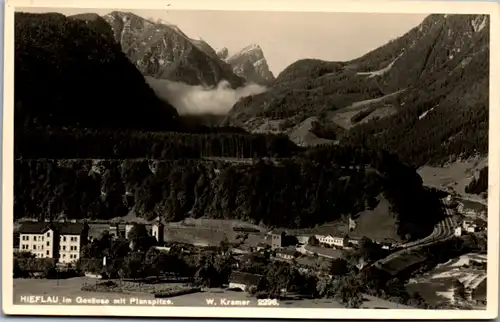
250	64
432	80
163	51
223	53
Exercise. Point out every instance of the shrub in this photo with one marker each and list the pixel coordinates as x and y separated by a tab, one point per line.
36	264
91	265
172	293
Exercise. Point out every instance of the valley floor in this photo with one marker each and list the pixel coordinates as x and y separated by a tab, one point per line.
454	177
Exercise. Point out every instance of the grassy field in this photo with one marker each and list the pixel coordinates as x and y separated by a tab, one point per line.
302	135
201	232
342	117
71	288
377	224
223	224
454	177
210	232
470	204
207	236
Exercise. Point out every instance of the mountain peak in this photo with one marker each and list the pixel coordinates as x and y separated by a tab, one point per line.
223	53
162	50
251	47
250	63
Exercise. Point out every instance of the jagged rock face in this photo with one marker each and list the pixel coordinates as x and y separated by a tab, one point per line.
164	51
250	64
223	53
440	68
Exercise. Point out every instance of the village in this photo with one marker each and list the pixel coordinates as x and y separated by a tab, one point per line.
67	242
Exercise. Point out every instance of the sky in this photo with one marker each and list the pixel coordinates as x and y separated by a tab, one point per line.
285	37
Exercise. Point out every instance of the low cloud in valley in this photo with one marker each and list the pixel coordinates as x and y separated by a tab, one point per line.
196	99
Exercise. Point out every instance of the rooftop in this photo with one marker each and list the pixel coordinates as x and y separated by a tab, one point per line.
337	235
277	231
287	251
64	228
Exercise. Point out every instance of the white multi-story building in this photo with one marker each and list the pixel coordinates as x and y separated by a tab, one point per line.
70	246
62	240
339	241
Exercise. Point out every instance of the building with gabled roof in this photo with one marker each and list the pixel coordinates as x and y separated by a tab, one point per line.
287	253
341	240
60	240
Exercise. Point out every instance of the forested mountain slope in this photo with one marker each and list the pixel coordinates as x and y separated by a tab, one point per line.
423	96
70	72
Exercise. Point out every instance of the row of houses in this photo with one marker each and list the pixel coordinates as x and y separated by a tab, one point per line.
279	240
64	240
471	226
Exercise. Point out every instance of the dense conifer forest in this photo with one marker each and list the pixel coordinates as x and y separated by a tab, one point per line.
70	72
322	184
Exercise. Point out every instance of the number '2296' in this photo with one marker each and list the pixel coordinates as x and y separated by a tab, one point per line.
268	302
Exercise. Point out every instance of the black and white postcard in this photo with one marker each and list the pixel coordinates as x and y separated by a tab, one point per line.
251	159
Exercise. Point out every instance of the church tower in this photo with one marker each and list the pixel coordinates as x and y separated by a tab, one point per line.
352	224
158	231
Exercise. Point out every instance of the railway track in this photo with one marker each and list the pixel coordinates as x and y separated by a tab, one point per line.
443	231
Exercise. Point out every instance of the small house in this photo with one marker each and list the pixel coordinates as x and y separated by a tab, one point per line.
466	224
458	231
353	241
287	254
242	280
386	245
480	224
262	246
471	229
